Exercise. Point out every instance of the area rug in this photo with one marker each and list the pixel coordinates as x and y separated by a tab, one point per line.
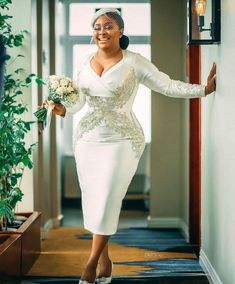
136	252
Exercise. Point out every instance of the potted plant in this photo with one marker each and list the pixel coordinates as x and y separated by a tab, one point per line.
15	155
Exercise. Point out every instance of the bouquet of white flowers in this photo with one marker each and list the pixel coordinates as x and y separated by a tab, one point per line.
61	89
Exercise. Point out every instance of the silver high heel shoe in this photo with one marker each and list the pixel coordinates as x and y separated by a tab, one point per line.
103	279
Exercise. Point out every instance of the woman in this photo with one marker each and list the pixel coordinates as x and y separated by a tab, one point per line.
109	141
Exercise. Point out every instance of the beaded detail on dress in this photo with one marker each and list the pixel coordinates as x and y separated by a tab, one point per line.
110	112
178	88
120	95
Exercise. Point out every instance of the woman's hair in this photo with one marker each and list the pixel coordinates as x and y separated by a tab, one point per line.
124	40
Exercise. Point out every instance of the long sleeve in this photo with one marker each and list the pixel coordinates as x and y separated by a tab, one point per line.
82	97
149	75
76	107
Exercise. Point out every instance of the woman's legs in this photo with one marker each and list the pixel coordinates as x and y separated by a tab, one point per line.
105	263
98	244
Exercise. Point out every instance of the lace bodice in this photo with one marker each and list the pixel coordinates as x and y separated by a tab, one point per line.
114	112
110	98
119	97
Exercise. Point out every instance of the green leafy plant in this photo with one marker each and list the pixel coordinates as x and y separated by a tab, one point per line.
15	155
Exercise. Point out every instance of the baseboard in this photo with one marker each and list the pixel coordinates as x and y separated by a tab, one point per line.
163	222
46	229
209	269
169	222
185	229
50	224
57	221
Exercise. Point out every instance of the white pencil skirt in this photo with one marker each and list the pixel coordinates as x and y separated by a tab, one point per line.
105	170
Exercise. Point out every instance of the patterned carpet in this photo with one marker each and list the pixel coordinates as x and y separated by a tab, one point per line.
142	255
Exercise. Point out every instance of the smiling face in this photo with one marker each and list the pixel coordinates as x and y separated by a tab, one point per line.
106	33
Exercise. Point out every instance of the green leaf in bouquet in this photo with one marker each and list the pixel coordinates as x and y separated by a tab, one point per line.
41	114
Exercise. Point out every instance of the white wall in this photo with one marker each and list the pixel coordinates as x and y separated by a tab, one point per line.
218	153
169	148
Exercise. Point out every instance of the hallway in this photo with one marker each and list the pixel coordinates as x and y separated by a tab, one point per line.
181	209
168	256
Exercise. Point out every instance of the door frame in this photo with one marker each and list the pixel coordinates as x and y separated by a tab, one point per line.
194	68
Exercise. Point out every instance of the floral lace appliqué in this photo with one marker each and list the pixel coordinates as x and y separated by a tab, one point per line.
120	95
109	111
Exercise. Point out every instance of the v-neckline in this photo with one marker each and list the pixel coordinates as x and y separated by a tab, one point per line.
111	68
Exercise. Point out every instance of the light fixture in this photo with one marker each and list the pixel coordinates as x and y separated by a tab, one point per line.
203	13
200	7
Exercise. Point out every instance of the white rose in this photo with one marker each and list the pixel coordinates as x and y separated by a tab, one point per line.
64	82
68	79
72	98
70	89
54	77
54	84
74	85
61	90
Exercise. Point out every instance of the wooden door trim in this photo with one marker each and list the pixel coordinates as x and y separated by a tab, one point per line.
195	152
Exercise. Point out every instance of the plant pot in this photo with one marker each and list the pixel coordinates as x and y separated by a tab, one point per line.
10	254
26	240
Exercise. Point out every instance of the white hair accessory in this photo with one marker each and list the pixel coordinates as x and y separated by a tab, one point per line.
103	11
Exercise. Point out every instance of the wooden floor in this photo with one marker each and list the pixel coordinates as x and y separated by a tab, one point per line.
160	280
128	218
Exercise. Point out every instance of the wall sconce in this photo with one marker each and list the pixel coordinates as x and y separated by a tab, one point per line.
203	21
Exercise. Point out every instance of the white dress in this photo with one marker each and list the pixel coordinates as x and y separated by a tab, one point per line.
109	140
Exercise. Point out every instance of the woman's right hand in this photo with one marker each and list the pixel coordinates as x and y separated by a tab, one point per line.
57	108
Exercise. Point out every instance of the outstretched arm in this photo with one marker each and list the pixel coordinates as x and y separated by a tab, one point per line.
149	75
